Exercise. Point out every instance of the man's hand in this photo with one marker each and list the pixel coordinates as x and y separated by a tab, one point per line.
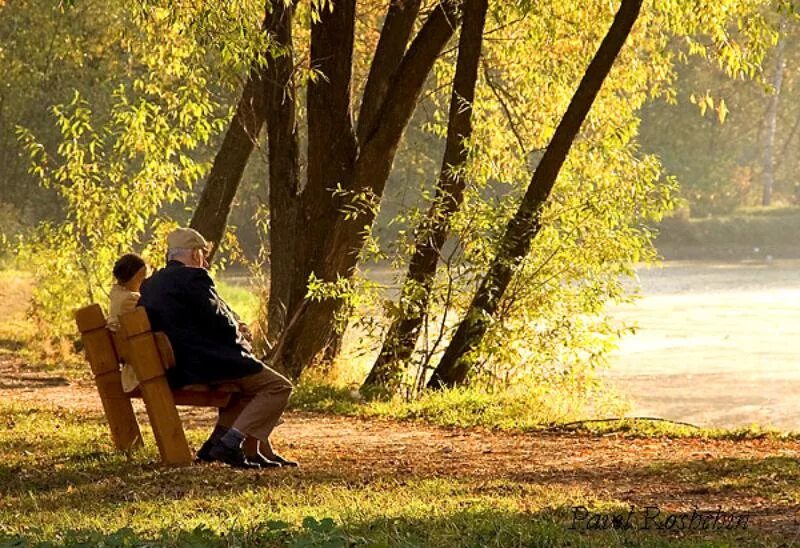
245	331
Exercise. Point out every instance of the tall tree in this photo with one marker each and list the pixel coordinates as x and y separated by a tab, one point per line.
431	235
772	117
300	219
526	222
282	152
211	214
331	149
332	234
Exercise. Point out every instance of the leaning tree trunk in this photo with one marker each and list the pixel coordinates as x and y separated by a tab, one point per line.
391	48
392	43
211	215
340	237
404	331
526	222
772	119
282	147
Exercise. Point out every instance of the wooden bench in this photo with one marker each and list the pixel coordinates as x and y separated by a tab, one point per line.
150	355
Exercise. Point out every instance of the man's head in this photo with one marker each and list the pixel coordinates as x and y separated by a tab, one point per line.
188	246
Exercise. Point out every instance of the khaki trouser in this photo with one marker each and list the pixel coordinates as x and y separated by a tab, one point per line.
257	409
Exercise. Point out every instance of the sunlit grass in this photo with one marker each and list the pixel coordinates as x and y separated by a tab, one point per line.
240	297
523	407
60	482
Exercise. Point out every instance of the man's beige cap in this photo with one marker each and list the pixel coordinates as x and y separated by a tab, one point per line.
186	238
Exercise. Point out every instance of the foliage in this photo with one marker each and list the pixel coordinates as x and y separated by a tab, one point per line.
599	223
718	159
146	144
48	51
116	171
758	233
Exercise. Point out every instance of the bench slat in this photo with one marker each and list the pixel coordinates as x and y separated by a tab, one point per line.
198	395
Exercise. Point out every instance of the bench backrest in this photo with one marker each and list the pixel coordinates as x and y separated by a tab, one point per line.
91	318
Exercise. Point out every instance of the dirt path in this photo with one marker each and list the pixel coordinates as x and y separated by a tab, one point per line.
669	473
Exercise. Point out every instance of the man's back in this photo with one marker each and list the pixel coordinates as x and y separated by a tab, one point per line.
183	302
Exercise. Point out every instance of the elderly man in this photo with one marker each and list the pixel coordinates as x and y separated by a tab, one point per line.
210	347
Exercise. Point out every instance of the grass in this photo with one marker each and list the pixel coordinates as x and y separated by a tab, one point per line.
523	409
774	478
240	298
60	483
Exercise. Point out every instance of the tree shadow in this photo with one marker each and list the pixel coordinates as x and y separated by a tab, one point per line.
473	526
24	382
113	479
11	345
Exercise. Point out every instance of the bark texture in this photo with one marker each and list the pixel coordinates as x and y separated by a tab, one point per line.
210	217
211	214
403	333
339	238
453	368
282	146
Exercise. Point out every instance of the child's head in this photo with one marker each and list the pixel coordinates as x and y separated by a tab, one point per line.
130	271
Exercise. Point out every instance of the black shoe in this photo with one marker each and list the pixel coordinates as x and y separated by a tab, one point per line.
282	461
263	461
203	455
230	456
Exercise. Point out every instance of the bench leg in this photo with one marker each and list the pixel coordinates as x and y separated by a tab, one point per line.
116	404
166	423
156	393
119	412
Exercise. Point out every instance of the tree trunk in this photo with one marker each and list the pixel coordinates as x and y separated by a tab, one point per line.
404	331
280	109
392	44
337	245
332	145
524	226
772	118
211	215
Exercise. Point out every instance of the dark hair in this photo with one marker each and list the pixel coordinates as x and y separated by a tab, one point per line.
127	266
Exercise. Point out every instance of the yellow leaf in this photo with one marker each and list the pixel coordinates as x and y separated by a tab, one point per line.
722	111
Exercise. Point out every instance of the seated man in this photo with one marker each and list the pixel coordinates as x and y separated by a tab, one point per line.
210	348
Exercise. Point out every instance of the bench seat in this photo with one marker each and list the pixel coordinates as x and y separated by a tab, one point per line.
199	395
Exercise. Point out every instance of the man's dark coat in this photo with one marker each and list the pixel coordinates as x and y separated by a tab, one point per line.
183	302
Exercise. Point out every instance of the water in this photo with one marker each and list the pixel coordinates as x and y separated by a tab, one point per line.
717	344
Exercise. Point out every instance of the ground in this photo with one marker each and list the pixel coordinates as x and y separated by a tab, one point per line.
373	482
403	468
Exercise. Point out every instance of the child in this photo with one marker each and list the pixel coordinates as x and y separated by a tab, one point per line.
129	273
